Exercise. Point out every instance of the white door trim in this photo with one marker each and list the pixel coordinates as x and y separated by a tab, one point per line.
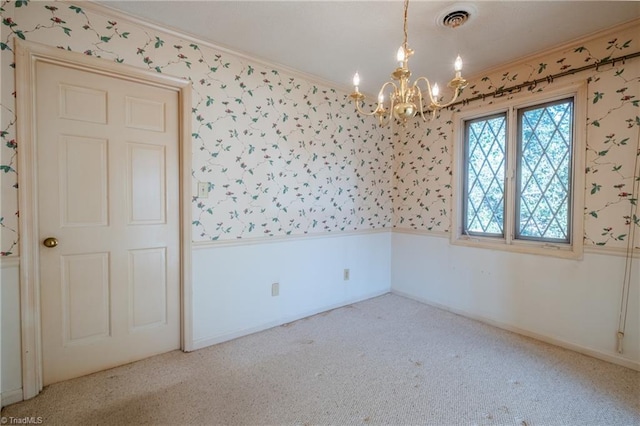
28	54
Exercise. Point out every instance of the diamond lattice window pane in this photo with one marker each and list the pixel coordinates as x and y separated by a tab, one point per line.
485	166
545	171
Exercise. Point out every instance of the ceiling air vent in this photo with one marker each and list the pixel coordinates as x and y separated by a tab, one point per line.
455	18
456	15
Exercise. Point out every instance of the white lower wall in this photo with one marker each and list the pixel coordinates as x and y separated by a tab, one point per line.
232	282
573	303
232	288
11	376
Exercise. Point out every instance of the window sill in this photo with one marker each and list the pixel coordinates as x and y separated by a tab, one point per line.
563	251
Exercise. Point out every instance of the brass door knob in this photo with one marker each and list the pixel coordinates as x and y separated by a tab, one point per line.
50	242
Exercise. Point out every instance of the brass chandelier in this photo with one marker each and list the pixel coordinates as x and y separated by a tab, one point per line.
406	99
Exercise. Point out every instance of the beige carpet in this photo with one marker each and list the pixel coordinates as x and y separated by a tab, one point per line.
388	360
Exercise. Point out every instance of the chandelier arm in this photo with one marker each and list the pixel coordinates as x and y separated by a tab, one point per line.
431	110
381	110
382	121
390	112
389	84
456	93
417	90
434	102
360	111
359	97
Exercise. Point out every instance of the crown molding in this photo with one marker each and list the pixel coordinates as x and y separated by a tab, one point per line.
557	49
105	10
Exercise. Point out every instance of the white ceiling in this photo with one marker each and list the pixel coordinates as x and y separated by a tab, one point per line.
333	39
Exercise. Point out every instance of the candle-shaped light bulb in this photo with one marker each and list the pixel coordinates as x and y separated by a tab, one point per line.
435	91
356	80
400	56
380	98
457	65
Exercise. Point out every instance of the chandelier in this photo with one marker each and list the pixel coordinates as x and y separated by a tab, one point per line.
406	99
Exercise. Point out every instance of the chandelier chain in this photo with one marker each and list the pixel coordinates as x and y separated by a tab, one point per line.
406	31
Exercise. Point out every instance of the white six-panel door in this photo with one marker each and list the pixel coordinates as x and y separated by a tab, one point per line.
108	196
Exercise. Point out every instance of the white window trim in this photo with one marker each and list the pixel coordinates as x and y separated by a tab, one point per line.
574	250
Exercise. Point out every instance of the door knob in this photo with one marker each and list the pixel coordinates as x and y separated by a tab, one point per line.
50	242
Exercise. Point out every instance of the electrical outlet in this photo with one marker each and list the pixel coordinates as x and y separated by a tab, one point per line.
203	189
275	289
345	275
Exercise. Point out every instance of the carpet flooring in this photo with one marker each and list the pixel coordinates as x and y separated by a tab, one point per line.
383	361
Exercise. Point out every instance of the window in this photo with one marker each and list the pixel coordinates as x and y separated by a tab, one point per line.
517	170
485	140
545	141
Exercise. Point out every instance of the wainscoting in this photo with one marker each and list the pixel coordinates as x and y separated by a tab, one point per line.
11	373
232	291
570	303
232	287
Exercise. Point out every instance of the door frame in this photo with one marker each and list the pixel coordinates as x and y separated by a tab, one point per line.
28	54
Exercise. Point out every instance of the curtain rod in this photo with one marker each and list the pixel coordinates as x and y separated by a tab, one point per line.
548	79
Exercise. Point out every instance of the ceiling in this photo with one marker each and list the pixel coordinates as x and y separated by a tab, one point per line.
333	39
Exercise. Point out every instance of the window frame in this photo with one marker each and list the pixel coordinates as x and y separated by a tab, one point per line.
510	106
520	112
465	149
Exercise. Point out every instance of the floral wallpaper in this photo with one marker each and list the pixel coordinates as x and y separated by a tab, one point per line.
280	155
283	155
423	164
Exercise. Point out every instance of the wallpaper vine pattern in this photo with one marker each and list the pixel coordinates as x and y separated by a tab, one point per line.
423	168
285	156
280	155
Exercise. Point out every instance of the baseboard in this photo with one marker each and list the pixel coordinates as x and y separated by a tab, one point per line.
214	340
614	359
11	397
